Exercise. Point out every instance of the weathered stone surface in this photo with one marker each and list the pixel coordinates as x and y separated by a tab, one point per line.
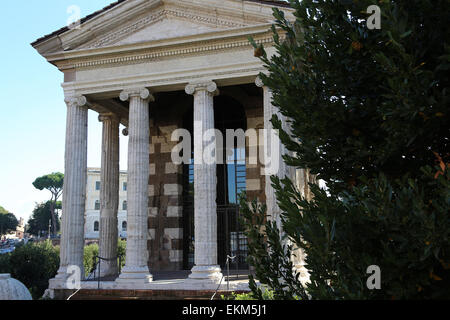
109	195
205	186
72	227
12	289
136	268
273	210
124	48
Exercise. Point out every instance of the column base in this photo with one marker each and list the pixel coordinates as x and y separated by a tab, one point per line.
64	280
205	274
57	283
107	270
135	275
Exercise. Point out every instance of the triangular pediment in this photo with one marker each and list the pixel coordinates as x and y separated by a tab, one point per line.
166	29
163	24
136	21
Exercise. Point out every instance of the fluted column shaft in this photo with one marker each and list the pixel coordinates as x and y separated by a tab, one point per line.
136	266
109	194
74	190
273	210
205	185
275	152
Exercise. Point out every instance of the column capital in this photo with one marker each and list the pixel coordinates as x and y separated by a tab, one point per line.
259	82
209	86
140	92
77	100
108	117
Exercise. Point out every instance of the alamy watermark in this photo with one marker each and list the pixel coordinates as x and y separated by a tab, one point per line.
210	147
73	280
374	281
74	19
374	20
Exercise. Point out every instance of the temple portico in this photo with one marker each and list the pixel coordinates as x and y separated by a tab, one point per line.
155	67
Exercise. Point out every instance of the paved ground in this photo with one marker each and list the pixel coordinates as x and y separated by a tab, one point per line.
235	275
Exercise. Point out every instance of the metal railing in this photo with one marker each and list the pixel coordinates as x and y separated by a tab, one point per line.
81	284
228	277
98	269
231	240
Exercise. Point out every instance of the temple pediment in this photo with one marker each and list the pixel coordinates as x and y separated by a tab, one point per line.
159	26
136	21
165	29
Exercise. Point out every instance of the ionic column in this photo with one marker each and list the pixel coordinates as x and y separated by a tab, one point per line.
205	186
74	192
273	210
275	153
136	265
109	195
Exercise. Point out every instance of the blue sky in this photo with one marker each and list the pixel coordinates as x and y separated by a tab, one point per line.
32	108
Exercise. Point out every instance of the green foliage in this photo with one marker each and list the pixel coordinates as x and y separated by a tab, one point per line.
274	270
91	252
33	265
369	113
52	182
89	258
39	220
382	107
3	210
4	263
8	222
122	251
266	295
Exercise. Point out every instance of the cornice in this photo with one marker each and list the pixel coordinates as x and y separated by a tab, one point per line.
222	35
158	55
106	21
130	54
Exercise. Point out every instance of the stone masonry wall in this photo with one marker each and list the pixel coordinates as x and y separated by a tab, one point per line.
165	202
255	181
165	217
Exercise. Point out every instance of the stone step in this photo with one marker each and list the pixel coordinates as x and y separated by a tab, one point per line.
88	294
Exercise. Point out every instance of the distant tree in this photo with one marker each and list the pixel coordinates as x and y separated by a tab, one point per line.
53	183
8	221
40	217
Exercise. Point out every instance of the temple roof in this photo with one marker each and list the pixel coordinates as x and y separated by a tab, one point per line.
114	4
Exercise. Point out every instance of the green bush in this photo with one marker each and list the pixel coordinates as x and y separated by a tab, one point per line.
4	263
121	251
90	252
266	294
33	265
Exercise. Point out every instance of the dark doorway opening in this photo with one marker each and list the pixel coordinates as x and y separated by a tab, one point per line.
231	181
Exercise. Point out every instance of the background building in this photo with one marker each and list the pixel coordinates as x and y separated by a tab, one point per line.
92	214
20	230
